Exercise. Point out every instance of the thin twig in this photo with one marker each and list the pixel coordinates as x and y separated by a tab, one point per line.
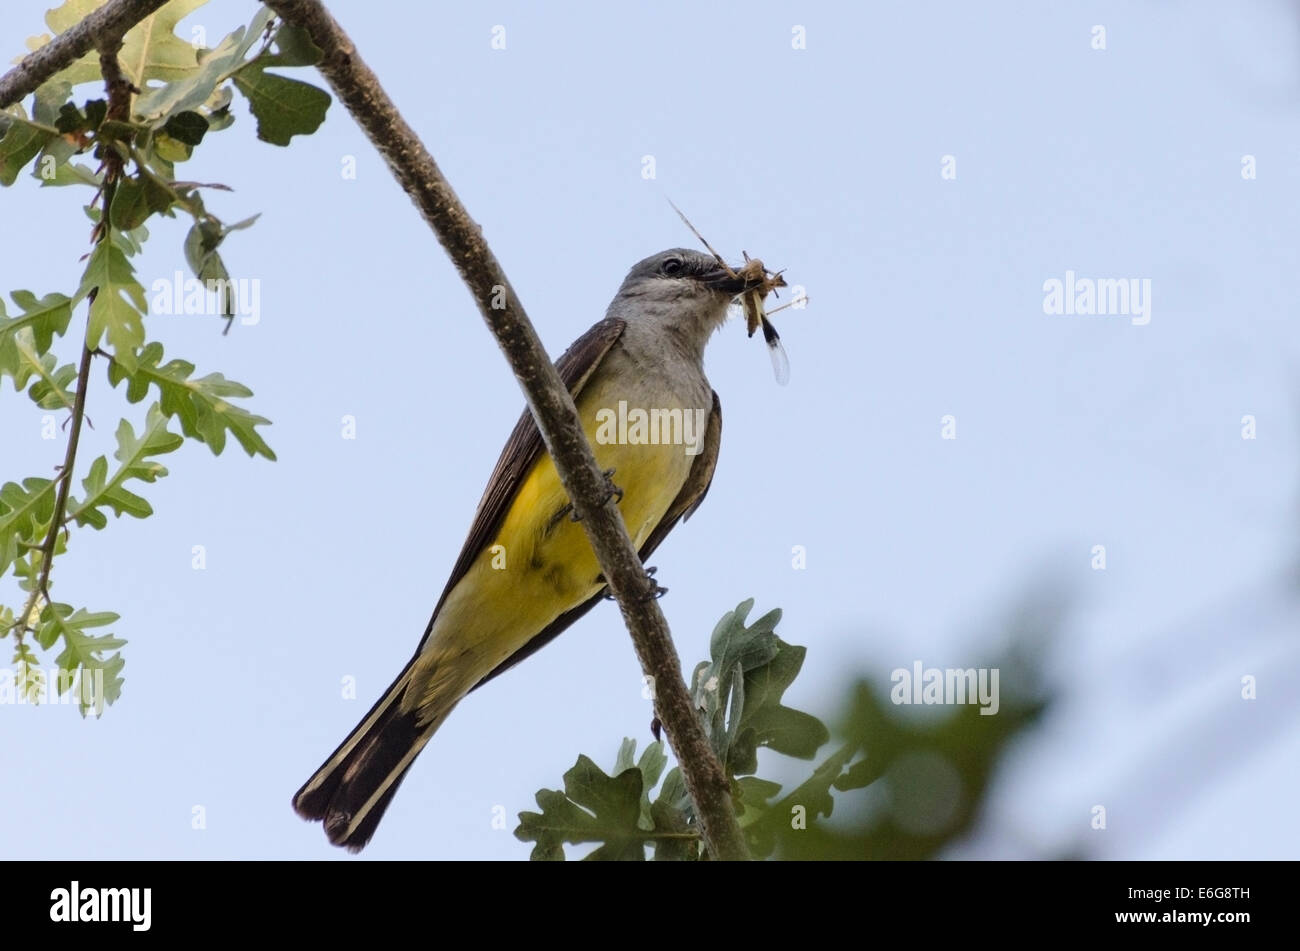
552	407
119	107
65	479
105	27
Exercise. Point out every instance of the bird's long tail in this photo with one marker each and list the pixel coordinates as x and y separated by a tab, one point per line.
352	788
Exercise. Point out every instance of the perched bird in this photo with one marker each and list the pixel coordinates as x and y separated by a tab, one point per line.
527	571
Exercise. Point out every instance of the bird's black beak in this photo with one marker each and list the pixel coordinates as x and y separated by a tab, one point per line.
728	282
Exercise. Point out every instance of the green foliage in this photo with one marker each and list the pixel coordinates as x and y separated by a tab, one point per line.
117	310
203	241
933	771
614	810
133	463
97	679
51	387
201	405
149	51
25	513
594	807
738	695
750	671
186	93
22	141
182	94
284	107
29	679
30	334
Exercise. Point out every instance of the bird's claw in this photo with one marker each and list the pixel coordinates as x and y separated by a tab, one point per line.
615	493
656	591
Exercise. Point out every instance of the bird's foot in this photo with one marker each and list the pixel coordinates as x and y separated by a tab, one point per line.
656	592
615	493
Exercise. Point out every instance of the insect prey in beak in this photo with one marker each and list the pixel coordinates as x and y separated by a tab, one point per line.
759	282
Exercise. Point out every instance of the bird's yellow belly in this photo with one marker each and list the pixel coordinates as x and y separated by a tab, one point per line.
540	564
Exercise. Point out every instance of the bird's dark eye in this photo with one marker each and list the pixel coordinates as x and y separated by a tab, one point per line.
672	267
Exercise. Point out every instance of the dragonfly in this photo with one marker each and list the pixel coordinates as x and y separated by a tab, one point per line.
763	282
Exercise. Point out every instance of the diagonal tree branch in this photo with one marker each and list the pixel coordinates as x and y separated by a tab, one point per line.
359	90
102	29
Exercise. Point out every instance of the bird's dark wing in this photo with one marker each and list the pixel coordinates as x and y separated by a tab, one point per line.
688	500
523	449
696	485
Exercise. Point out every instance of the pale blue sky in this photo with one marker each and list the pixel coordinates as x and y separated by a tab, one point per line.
927	301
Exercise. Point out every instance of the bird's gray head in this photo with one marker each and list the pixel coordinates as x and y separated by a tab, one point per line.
686	292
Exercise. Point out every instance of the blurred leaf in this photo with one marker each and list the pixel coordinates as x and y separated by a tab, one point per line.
98	679
29	679
150	50
70	120
814	793
293	48
892	744
139	196
756	792
858	776
283	107
753	807
130	207
21	142
49	99
201	243
678	840
66	173
212	67
188	127
652	764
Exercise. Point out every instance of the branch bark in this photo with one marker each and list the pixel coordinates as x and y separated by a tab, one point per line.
102	29
359	90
